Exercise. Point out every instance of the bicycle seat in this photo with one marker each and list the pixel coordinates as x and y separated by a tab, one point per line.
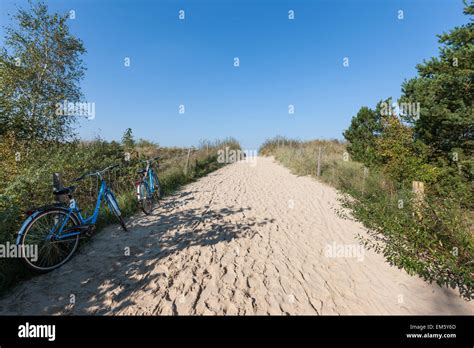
64	191
141	171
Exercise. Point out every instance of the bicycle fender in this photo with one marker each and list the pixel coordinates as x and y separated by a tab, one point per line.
137	187
33	215
25	224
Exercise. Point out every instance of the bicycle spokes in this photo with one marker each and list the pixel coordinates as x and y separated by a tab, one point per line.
45	234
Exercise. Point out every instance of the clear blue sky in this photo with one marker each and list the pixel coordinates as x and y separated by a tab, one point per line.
282	62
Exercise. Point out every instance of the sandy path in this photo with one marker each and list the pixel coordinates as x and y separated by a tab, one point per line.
243	240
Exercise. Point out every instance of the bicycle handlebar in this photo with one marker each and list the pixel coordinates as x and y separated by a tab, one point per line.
109	168
151	159
98	173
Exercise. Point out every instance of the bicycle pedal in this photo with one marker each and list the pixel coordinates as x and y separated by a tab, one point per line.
90	231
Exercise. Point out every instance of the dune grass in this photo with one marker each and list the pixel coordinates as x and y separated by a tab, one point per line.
27	180
432	238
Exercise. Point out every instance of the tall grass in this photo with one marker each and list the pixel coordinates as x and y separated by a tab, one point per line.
27	179
432	239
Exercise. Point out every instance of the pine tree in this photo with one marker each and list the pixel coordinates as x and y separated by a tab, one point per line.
363	132
127	139
445	91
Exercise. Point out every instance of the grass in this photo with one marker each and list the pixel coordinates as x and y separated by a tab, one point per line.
432	239
27	183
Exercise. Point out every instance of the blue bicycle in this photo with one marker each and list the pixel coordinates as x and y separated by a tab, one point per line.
148	188
55	230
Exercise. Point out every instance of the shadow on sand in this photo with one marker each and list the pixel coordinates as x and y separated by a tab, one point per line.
101	275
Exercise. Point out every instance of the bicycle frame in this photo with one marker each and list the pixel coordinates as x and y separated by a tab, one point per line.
148	177
91	220
151	175
73	209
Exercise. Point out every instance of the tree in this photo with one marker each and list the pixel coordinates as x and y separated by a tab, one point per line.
40	68
445	91
404	159
362	134
127	139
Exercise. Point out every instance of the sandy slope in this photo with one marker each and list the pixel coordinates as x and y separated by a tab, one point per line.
243	240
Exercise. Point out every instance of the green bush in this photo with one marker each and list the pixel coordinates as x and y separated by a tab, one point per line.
28	182
432	238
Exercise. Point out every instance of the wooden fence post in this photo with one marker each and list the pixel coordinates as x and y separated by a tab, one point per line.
58	185
187	162
366	173
319	163
418	189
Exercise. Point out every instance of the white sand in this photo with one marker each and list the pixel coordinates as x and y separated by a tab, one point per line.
243	240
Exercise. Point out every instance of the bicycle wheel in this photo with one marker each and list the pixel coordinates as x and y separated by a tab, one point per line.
114	208
145	198
158	189
42	233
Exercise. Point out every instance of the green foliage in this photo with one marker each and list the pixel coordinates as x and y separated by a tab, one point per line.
40	68
404	159
432	239
362	135
231	143
270	145
445	91
127	139
29	180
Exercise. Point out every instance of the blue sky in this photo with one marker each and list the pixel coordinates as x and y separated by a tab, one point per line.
282	62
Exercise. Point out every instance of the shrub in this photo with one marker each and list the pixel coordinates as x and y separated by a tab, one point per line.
432	239
28	182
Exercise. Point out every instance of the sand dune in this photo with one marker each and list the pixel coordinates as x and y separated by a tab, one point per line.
243	240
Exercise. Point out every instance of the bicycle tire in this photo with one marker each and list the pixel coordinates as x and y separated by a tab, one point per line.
158	187
35	222
113	205
145	200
